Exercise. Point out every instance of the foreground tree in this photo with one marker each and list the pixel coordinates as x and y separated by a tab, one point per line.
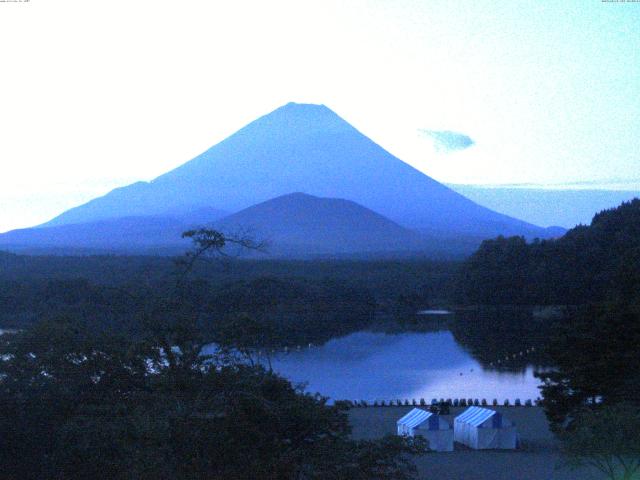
592	396
80	405
596	362
606	439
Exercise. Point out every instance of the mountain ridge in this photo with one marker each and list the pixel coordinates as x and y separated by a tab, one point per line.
302	223
295	225
303	147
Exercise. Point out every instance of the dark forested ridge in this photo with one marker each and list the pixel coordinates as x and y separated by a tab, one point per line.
303	301
588	264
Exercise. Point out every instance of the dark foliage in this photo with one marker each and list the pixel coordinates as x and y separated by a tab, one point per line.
595	358
297	311
605	438
115	291
80	401
80	405
588	264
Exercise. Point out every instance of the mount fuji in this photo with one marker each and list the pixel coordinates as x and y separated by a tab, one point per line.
296	148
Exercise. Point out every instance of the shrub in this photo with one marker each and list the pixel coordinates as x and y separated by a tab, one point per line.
383	404
517	403
449	402
470	401
422	402
527	403
364	403
484	402
463	402
375	403
476	402
413	402
434	401
506	402
406	402
456	402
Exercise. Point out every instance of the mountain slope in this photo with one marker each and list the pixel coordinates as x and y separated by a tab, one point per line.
127	234
299	223
305	148
130	234
294	225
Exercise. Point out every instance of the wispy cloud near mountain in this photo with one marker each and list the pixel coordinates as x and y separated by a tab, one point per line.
445	141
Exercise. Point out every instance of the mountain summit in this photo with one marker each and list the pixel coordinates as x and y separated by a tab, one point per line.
302	148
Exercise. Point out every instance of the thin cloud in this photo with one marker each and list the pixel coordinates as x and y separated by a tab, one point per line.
447	141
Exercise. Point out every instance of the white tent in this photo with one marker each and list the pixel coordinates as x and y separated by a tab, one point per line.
481	428
429	425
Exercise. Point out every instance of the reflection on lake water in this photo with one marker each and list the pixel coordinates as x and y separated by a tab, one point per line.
437	311
378	366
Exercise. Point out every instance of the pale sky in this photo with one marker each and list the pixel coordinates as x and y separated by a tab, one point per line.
96	94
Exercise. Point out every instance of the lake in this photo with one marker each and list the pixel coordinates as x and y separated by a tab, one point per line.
378	366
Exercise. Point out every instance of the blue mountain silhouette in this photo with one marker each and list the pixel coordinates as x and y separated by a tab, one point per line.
298	148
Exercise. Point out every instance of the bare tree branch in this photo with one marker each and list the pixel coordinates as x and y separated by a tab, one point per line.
208	242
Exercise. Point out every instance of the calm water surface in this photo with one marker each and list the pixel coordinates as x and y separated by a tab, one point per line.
377	366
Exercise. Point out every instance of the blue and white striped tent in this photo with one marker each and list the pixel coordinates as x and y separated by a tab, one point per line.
429	425
482	428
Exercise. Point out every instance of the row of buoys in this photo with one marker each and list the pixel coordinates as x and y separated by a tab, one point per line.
464	402
284	349
513	356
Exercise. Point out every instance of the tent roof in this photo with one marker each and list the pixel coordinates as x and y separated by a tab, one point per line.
414	418
475	416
